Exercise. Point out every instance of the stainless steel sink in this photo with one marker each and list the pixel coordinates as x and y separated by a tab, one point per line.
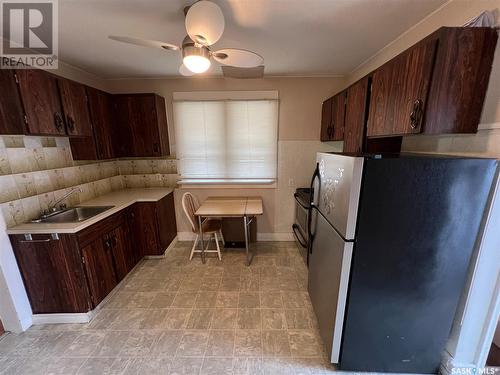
73	215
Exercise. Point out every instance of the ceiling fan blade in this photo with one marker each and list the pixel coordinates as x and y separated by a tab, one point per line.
185	71
243	73
205	22
144	42
238	57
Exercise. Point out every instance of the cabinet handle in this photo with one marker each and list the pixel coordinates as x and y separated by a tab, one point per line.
416	114
114	241
58	121
156	147
71	124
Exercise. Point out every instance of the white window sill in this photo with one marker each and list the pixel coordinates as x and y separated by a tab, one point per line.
227	184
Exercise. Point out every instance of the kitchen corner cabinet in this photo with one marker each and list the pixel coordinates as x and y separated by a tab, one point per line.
141	125
42	106
154	225
11	109
73	273
76	112
332	118
98	146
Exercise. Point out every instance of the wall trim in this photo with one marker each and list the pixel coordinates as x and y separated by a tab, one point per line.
487	126
279	237
62	318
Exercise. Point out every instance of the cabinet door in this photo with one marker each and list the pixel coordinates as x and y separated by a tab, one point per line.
11	109
99	268
42	106
338	116
355	116
399	92
144	126
76	112
99	146
326	120
122	254
122	129
52	272
167	225
146	229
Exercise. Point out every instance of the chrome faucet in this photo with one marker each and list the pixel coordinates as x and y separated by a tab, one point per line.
52	206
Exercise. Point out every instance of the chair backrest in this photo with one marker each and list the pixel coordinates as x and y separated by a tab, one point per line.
190	205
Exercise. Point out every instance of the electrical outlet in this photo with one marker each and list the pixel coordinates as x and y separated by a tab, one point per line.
291	182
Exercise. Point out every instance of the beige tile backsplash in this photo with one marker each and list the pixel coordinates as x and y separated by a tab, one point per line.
36	171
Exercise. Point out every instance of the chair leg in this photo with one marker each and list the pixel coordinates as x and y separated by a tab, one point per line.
222	238
217	243
194	247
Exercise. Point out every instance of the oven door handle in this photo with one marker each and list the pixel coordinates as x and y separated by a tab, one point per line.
299	237
295	195
316	175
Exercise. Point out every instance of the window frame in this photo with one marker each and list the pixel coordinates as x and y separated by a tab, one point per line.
251	183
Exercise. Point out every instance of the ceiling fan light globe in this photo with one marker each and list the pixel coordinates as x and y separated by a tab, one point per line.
196	64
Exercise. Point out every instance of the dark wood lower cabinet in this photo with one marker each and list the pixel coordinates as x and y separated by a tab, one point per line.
121	248
73	273
53	273
98	262
155	226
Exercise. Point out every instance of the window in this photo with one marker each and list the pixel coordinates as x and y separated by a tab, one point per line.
226	140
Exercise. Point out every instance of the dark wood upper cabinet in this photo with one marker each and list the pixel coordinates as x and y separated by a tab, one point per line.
436	87
141	125
11	109
99	145
98	263
53	273
332	118
41	102
326	119
76	112
460	79
399	92
355	116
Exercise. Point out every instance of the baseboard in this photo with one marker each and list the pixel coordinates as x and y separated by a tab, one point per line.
62	318
279	237
170	247
190	236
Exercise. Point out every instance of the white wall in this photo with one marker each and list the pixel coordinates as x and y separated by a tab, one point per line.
298	138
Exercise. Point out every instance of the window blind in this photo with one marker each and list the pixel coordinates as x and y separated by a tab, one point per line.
227	139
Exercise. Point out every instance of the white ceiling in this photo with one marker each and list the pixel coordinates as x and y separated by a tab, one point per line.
295	37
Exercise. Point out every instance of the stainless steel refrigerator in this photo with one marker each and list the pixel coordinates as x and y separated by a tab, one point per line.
391	237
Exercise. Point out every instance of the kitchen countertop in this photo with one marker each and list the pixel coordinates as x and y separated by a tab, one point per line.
120	199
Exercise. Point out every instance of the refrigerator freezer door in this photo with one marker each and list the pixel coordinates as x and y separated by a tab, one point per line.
336	191
329	267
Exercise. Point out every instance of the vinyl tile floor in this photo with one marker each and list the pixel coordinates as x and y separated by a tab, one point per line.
175	316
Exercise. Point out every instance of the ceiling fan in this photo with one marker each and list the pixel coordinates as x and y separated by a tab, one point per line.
204	24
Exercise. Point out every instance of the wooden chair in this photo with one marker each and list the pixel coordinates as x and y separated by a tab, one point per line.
212	228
